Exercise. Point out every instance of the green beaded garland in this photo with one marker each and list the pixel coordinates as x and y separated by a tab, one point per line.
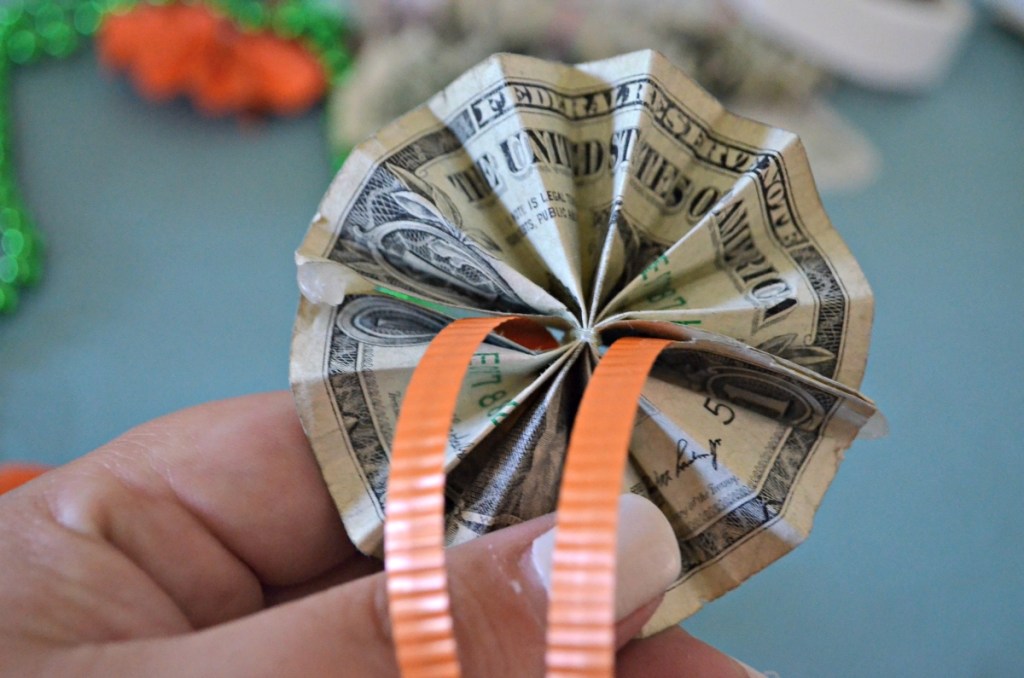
87	17
28	31
56	28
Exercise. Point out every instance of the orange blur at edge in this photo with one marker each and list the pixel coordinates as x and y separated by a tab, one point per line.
16	475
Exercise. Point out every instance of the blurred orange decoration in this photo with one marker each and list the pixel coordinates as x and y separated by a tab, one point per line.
15	475
191	50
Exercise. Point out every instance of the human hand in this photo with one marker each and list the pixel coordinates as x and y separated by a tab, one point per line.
206	544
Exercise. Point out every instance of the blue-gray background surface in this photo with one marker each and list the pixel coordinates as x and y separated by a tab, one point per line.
169	282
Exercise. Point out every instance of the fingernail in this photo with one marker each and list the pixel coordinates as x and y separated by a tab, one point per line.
751	671
647	551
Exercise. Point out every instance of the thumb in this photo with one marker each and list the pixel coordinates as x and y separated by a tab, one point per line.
499	603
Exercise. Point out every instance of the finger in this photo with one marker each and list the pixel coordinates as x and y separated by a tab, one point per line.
231	489
498	600
673	653
356	567
245	469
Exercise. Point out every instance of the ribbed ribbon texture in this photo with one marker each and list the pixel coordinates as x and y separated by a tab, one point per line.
581	613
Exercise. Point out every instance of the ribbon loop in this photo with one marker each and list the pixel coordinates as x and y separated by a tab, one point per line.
581	612
417	583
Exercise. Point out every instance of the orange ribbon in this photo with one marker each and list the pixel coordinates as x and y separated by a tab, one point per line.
414	519
581	615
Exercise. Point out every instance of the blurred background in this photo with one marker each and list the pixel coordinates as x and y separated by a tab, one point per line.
168	280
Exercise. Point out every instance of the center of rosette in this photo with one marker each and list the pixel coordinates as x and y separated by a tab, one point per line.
587	335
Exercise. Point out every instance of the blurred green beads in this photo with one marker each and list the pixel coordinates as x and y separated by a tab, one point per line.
34	29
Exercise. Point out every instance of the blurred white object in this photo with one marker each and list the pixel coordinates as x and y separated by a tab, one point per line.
1011	12
890	44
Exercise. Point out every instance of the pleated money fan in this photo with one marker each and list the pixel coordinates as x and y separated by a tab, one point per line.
559	283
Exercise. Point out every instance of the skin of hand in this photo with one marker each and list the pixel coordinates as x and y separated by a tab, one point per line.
205	543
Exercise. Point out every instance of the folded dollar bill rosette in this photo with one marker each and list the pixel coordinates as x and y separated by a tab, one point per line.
614	208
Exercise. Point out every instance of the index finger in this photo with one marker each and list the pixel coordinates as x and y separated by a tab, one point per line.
244	469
